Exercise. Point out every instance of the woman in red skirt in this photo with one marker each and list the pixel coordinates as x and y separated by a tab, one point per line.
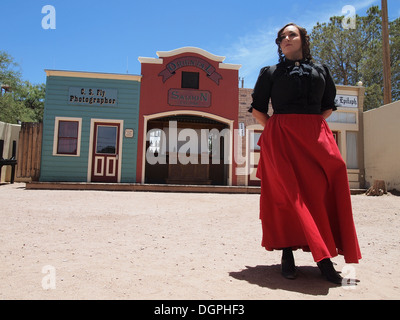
305	197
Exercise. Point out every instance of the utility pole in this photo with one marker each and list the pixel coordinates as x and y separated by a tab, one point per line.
387	74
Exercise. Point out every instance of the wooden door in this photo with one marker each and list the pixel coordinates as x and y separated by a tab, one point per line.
105	159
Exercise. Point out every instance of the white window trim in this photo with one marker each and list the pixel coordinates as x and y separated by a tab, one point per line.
55	140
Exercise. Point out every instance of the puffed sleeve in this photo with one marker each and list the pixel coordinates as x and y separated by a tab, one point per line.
328	99
262	91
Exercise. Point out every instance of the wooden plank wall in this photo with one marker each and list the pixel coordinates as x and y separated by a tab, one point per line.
75	168
29	151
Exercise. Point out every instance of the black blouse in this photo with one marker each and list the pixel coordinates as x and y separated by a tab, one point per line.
300	87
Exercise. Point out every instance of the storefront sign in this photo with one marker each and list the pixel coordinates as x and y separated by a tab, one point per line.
202	64
346	101
189	98
129	133
93	96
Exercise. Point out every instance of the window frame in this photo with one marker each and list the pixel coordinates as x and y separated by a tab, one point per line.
56	136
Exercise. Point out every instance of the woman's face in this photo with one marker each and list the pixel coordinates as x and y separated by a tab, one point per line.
291	45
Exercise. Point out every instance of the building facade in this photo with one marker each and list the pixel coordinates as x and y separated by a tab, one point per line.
90	127
184	120
188	113
9	134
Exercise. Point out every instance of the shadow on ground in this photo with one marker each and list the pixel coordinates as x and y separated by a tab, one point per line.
309	280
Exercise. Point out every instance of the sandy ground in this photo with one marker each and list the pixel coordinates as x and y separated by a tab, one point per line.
139	245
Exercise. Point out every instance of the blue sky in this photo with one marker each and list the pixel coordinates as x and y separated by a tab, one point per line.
109	36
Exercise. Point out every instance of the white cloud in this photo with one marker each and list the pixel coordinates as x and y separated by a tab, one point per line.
253	51
359	5
256	50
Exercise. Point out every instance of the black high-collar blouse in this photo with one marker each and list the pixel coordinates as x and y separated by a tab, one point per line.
299	87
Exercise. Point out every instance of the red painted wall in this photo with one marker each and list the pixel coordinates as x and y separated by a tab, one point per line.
154	94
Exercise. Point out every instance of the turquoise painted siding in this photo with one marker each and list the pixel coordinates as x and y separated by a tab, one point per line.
67	168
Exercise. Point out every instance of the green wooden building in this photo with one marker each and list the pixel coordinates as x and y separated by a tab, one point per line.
90	127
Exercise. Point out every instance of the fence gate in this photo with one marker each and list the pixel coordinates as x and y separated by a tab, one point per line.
29	151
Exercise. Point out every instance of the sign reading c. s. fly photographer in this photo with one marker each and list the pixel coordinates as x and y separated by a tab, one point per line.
93	96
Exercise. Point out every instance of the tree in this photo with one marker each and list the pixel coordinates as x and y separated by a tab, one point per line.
32	97
22	101
356	54
394	39
9	76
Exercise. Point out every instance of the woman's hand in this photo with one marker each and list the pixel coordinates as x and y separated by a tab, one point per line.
326	114
261	117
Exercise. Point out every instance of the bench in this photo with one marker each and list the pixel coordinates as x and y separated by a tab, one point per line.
9	162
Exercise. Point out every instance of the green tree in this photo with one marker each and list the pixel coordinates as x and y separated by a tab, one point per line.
8	75
394	39
19	100
356	54
32	96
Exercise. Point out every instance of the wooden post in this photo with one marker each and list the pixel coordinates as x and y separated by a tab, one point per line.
24	159
387	74
19	156
38	151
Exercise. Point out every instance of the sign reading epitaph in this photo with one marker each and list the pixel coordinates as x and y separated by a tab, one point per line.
346	101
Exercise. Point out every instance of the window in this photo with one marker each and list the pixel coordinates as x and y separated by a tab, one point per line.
254	137
106	139
155	140
190	80
67	136
352	150
343	117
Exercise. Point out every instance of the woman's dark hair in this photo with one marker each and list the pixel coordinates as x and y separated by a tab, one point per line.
305	40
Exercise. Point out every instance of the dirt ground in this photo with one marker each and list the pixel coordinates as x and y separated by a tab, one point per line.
144	245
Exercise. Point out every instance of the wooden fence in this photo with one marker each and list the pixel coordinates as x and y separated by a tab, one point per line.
29	151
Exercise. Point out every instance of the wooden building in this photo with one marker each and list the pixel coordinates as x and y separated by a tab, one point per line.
184	121
90	127
188	113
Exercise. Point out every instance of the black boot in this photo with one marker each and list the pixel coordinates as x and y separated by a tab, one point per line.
288	267
327	270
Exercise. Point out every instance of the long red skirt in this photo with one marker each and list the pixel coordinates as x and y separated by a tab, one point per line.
305	196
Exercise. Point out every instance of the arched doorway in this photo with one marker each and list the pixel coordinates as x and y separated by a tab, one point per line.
191	148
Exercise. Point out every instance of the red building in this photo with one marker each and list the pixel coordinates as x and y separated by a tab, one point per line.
187	118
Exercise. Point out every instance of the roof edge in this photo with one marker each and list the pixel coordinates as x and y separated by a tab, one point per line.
92	75
165	54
